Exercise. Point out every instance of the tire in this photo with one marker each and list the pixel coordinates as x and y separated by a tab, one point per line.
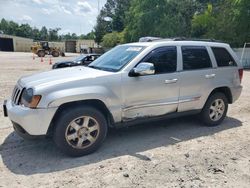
74	137
55	53
212	114
41	53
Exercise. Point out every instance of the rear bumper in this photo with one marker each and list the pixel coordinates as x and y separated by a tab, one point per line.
33	121
236	91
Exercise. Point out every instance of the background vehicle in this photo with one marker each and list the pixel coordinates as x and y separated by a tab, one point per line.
131	83
84	59
42	48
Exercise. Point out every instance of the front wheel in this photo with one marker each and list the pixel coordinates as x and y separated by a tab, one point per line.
215	109
55	53
41	53
80	131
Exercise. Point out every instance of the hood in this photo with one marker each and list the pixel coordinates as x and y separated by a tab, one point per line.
59	76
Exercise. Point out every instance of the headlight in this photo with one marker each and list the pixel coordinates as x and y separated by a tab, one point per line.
28	99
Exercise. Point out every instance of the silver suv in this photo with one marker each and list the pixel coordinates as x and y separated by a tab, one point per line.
129	84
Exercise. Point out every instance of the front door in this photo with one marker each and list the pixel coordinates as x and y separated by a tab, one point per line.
152	95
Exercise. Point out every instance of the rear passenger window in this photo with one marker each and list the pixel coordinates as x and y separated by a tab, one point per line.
195	57
164	59
223	58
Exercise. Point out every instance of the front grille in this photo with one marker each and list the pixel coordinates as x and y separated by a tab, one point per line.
16	95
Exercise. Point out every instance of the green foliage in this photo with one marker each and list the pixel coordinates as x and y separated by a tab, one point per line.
203	24
228	21
44	34
162	18
111	18
112	39
90	35
122	21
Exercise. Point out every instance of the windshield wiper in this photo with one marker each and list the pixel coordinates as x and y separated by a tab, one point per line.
94	67
102	68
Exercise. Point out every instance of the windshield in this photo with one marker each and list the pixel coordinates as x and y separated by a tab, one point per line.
116	58
79	58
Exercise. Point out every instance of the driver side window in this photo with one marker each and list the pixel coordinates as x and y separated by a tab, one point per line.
164	59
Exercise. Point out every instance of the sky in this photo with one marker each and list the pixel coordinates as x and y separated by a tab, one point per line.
74	16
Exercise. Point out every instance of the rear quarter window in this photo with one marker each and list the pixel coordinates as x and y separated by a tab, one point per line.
223	57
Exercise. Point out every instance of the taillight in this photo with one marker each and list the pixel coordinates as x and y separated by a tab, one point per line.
240	74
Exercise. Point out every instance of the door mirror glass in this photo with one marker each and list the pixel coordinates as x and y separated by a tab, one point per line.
142	69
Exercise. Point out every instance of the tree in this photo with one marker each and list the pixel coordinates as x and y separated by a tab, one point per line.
12	28
36	34
111	18
112	39
227	20
90	35
163	18
203	24
53	34
24	30
44	33
100	29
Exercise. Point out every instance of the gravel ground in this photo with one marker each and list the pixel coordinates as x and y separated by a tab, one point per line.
174	153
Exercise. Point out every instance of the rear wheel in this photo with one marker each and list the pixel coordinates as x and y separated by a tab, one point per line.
41	53
215	109
80	131
62	54
55	53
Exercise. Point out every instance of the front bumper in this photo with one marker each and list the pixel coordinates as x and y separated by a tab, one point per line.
33	121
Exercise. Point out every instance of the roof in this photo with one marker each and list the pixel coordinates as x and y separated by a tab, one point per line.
179	43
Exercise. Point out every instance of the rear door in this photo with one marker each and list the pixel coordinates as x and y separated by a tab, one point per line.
196	78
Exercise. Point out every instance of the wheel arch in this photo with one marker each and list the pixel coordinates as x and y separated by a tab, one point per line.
225	90
96	103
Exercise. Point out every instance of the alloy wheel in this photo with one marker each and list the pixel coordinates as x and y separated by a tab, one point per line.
216	109
82	132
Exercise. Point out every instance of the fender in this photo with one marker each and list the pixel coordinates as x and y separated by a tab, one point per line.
108	97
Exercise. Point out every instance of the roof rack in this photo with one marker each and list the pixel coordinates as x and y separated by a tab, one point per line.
152	39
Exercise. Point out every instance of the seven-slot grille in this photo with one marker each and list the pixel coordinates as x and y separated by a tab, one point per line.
16	95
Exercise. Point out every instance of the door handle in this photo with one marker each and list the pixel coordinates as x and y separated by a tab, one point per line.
171	81
210	76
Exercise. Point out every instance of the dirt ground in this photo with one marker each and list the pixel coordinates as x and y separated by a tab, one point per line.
174	153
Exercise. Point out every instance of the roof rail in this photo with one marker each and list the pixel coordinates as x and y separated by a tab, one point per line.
196	39
151	39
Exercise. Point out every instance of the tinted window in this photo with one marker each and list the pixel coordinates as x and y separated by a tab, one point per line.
164	59
223	58
195	57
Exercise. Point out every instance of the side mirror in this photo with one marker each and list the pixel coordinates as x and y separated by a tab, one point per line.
142	69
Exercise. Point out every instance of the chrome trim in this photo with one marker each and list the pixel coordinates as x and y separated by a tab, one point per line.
208	76
171	81
160	104
16	94
149	105
144	68
189	100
